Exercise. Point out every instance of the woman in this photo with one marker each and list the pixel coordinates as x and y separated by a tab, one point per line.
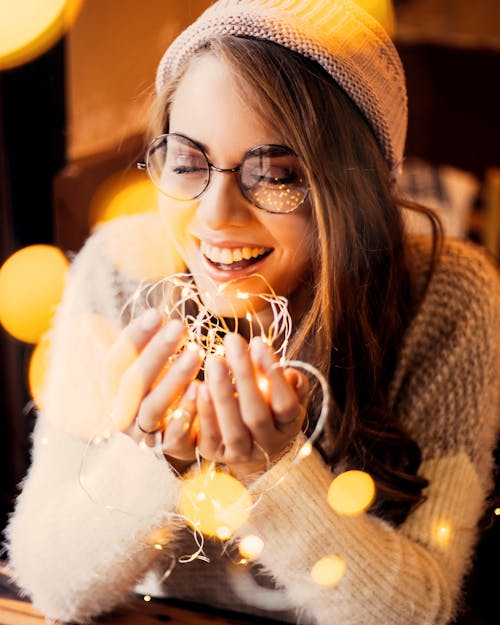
310	96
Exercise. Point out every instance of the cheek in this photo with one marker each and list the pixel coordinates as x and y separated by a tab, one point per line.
176	218
296	237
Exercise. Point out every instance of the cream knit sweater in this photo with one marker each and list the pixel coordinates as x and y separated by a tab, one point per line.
82	538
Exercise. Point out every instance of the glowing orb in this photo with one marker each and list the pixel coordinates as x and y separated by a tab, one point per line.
351	493
263	384
37	369
215	502
251	546
305	450
30	27
31	286
442	533
328	571
123	193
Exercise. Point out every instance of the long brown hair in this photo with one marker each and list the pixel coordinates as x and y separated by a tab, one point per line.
360	286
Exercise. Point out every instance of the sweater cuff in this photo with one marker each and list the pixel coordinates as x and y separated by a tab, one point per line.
120	475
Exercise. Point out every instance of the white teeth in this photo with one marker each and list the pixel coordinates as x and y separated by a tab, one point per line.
227	255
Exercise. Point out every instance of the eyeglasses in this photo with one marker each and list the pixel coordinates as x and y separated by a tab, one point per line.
270	176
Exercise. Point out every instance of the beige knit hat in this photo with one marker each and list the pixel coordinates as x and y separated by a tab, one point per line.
343	38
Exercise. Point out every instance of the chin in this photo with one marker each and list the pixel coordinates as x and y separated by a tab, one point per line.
231	300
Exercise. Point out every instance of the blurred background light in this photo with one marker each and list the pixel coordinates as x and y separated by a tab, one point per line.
37	369
215	503
351	493
123	193
30	27
382	11
328	571
31	286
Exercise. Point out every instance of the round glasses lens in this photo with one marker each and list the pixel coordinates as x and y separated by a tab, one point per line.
272	178
178	167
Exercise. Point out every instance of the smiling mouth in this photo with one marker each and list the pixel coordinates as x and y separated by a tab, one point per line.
233	259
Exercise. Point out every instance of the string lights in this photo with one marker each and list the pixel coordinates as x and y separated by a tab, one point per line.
212	502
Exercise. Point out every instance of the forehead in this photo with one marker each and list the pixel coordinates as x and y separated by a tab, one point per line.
211	106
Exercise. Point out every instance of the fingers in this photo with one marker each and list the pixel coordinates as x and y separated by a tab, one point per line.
181	428
128	345
172	384
210	438
251	423
253	405
137	360
233	435
287	388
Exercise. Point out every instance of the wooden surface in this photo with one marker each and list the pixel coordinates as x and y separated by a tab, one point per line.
15	611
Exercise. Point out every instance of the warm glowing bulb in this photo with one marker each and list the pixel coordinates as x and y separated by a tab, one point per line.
496	511
147	598
328	571
251	546
305	450
351	493
31	286
242	295
211	500
158	547
223	532
177	413
263	384
442	533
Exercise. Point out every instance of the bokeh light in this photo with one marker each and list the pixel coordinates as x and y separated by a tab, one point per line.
123	193
382	11
251	546
215	502
442	533
31	286
328	571
30	27
37	369
351	493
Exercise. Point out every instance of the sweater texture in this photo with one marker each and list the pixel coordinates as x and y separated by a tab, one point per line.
86	523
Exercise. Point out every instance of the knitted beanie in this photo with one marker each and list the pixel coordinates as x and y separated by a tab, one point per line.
343	38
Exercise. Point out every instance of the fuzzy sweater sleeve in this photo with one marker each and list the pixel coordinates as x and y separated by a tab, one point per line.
447	393
85	524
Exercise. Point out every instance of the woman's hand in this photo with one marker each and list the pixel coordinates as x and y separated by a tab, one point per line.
247	425
151	378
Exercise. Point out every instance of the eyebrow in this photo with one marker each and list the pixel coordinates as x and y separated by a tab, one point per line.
203	146
267	149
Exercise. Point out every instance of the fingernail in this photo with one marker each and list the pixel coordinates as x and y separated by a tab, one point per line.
260	352
150	319
191	392
189	358
172	331
215	369
235	344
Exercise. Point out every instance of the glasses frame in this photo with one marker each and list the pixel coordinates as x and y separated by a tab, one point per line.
144	166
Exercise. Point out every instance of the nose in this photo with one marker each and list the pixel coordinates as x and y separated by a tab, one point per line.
222	205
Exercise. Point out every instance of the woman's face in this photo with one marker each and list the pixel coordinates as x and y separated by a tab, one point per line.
217	232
